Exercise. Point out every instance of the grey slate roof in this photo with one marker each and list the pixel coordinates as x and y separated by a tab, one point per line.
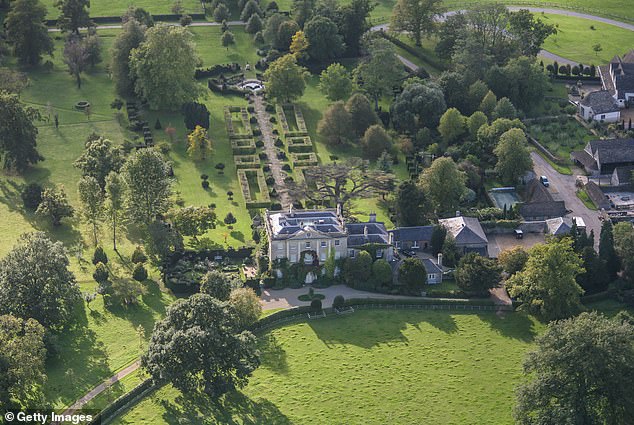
613	151
411	234
601	102
431	267
585	159
596	195
537	192
623	71
543	209
559	226
283	225
624	174
376	233
465	230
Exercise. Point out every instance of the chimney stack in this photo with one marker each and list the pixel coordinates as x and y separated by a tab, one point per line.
290	210
373	217
440	260
365	232
458	213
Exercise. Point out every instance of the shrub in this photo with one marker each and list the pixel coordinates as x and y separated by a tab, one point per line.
32	196
157	125
266	168
270	181
273	120
229	218
286	167
259	144
117	104
315	305
338	302
278	143
164	147
185	20
205	184
139	274
253	120
204	177
138	256
99	256
263	156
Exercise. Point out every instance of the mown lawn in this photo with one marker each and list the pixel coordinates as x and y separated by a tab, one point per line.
372	367
118	7
575	38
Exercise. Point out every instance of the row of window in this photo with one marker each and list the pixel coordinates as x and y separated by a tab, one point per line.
308	245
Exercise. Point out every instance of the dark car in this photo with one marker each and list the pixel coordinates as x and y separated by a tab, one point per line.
408	253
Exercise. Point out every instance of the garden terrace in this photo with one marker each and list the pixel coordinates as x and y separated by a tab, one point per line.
299	144
237	122
304	159
246	161
243	146
254	188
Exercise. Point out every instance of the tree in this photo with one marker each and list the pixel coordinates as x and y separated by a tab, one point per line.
99	256
193	221
26	31
250	8
449	32
139	14
361	113
529	33
165	84
199	346
75	58
230	218
489	137
128	39
413	275
452	125
12	81
597	48
92	203
357	270
163	241
148	186
335	82
22	361
324	41
375	141
444	184
246	305
411	205
285	33
381	273
418	105
73	15
285	79
341	182
381	71
102	277
504	109
18	134
474	122
438	237
416	17
607	252
54	205
139	273
227	39
568	379
521	80
31	196
254	24
624	247
138	256
488	104
92	47
547	285
595	277
513	259
335	126
477	273
195	114
302	11
280	40
35	281
221	12
114	202
198	143
514	160
352	21
299	45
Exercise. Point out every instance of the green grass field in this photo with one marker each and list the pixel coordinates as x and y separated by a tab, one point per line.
118	7
372	367
575	39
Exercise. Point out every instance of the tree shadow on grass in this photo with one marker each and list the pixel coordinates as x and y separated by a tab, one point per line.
516	325
237	235
232	408
272	354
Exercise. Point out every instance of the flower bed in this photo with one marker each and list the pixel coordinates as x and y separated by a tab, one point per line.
299	144
246	161
254	188
304	159
243	146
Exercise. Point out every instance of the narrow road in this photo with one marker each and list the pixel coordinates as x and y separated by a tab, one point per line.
271	151
564	187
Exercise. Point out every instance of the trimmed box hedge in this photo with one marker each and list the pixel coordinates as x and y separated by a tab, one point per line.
253	200
244	118
243	146
299	144
246	161
304	159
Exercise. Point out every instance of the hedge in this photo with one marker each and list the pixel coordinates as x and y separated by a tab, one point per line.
113	408
416	52
117	19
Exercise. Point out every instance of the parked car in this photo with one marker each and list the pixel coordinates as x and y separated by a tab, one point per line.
544	181
408	253
519	234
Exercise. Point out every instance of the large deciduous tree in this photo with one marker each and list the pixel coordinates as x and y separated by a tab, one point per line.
413	275
624	246
547	285
452	125
199	346
73	14
75	57
148	186
343	181
35	281
115	198
375	141
163	78
477	273
352	20
92	203
54	205
324	41
285	79
444	183
27	32
416	17
335	82
18	134
22	357
100	158
514	160
521	80
128	39
216	284
335	127
198	143
361	113
247	306
418	105
381	71
581	372
193	221
529	33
